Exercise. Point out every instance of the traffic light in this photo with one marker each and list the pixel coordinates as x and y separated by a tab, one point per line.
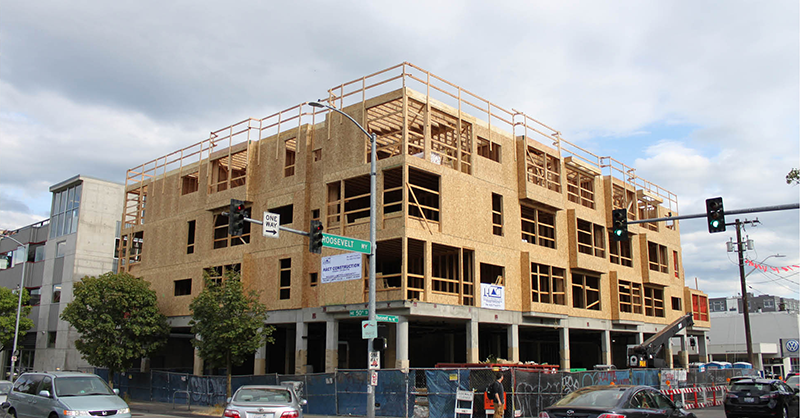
315	237
379	344
236	218
619	225
715	215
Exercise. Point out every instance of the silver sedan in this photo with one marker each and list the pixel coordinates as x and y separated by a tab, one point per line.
258	401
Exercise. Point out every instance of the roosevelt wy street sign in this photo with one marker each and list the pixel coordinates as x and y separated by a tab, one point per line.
345	243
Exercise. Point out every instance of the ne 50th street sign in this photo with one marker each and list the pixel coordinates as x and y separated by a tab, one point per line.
345	243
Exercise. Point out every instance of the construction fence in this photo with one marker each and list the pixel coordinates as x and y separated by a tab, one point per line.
413	393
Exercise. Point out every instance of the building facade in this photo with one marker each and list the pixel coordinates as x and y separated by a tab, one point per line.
760	303
78	240
492	234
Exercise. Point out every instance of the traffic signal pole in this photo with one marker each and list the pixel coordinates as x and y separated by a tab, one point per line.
746	307
727	212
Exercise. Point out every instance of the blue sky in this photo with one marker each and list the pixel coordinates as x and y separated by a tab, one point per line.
700	97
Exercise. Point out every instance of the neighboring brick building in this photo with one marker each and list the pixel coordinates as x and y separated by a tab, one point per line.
469	195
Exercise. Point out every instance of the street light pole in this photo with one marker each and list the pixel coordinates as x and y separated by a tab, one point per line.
373	138
19	305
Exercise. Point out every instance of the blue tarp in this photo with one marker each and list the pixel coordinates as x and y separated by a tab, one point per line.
442	390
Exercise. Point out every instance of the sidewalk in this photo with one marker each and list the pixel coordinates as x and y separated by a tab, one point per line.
178	410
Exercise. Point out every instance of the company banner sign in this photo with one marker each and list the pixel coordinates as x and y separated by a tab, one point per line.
341	267
493	296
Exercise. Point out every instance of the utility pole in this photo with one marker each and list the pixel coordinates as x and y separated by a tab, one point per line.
746	307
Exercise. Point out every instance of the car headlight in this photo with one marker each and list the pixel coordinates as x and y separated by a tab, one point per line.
124	411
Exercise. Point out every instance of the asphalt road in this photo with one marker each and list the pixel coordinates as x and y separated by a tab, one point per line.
712	412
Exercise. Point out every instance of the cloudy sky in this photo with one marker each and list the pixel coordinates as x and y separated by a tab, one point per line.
700	97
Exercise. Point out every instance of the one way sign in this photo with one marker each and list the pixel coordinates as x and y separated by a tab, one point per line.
271	225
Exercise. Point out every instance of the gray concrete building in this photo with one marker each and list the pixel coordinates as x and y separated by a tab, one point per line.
79	240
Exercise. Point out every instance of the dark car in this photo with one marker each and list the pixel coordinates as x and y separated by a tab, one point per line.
619	401
760	398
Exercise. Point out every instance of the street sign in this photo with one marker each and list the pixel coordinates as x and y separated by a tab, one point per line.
359	312
369	329
373	378
374	360
345	243
271	225
387	318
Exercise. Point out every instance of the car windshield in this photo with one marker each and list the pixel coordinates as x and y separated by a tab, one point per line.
5	387
260	395
605	398
81	386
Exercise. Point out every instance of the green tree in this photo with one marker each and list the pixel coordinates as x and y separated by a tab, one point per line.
118	319
229	323
8	316
793	177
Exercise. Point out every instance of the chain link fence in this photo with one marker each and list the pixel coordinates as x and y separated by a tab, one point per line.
418	393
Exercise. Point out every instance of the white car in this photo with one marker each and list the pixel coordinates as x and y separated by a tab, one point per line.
64	394
5	387
257	401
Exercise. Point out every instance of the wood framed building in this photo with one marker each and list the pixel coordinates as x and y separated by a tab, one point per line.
470	195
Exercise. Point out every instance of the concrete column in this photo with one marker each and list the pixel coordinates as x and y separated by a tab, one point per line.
513	343
331	345
472	342
639	338
197	367
702	347
301	347
759	360
563	340
401	337
605	347
684	354
260	360
668	355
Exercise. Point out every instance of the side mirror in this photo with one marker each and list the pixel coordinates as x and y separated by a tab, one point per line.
303	402
796	390
678	404
5	405
44	393
229	400
116	391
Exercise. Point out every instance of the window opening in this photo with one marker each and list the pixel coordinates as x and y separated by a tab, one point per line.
675	263
445	269
221	237
547	284
497	214
654	301
135	252
620	252
415	269
313	279
64	211
183	287
56	293
585	291
658	257
489	149
493	274
424	200
393	191
543	169
315	214
61	249
317	154
676	304
190	183
291	156
36	296
285	265
700	307
227	173
388	266
630	297
51	339
580	188
190	237
217	273
286	213
334	204
591	239
356	199
538	227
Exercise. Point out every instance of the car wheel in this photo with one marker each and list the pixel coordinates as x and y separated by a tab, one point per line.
13	412
785	413
53	415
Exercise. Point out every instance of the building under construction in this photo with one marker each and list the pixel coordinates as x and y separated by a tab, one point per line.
492	234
